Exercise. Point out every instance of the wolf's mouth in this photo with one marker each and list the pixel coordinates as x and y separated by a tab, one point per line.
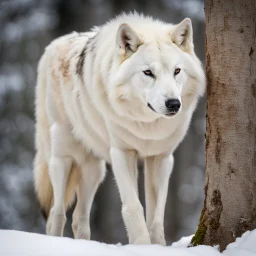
171	114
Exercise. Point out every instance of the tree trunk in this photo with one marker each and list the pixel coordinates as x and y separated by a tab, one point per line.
230	188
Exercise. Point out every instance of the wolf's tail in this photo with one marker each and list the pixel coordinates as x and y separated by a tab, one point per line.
44	188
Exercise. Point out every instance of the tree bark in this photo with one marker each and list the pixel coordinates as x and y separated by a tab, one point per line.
230	186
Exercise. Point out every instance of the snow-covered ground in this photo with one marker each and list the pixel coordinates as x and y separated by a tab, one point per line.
19	243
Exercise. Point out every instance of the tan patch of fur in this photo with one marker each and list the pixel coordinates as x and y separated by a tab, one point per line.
64	67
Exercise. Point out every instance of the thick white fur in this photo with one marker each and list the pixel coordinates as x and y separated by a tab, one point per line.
96	110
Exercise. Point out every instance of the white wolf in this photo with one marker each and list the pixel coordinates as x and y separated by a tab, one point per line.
125	90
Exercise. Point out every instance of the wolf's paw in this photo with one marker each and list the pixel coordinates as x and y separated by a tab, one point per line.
143	239
82	234
157	234
55	224
81	229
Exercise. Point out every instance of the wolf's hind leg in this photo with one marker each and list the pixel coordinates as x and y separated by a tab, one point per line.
92	174
59	172
157	173
60	165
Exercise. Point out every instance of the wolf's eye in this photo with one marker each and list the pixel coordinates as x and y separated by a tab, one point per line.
148	73
177	71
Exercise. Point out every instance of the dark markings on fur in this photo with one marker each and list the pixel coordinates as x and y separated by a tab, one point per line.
80	62
88	48
91	43
92	48
149	105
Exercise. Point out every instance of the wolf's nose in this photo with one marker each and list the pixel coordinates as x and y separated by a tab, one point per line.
173	105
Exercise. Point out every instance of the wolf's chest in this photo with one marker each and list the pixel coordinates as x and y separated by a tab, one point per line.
147	142
147	148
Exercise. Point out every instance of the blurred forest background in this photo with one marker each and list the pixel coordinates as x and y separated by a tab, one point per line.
26	27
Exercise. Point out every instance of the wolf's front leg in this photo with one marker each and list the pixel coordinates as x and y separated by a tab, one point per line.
124	164
157	174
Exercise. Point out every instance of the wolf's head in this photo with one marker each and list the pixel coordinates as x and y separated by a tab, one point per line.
156	73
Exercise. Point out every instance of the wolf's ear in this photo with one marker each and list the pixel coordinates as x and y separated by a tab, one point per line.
182	35
127	40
